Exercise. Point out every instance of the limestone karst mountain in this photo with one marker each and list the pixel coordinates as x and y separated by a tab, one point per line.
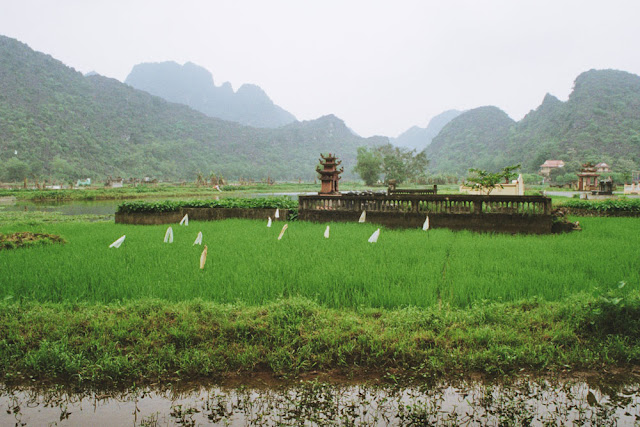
194	86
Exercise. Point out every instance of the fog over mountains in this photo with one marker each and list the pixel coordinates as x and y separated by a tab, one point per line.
194	86
66	125
419	138
599	122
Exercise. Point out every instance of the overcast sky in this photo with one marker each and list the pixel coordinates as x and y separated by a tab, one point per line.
382	66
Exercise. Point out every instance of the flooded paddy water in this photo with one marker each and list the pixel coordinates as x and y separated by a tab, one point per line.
527	401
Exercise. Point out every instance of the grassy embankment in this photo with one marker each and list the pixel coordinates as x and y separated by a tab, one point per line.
425	303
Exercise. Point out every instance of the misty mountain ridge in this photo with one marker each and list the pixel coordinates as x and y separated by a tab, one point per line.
599	122
419	138
193	85
68	126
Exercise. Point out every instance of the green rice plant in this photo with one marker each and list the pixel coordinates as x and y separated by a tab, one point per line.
246	263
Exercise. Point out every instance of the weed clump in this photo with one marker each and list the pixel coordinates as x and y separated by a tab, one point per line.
26	239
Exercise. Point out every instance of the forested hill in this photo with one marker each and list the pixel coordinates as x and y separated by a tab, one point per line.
475	138
599	122
419	138
66	125
193	85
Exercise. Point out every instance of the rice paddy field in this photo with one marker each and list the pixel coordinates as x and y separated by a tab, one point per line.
247	263
415	303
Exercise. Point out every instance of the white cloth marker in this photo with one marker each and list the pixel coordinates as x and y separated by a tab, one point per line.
269	223
198	240
374	236
118	242
168	236
425	226
185	220
326	233
277	215
363	217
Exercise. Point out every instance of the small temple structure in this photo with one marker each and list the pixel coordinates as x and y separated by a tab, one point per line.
588	178
329	174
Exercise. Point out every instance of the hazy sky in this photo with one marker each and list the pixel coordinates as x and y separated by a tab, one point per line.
382	66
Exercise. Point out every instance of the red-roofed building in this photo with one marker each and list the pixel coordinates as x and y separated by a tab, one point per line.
549	165
602	167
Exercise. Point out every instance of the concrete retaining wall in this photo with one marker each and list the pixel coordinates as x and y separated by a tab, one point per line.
503	223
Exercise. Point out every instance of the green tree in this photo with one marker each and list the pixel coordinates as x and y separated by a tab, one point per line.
486	181
15	170
61	169
400	164
369	165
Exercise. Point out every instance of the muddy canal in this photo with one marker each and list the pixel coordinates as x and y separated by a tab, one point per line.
521	402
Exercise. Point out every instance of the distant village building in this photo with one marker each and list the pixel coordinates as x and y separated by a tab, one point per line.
549	165
603	167
114	183
83	183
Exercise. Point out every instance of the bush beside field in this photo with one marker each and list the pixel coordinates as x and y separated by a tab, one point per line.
230	202
604	206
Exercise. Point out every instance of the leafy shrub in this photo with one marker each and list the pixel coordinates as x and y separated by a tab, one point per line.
612	314
231	202
610	205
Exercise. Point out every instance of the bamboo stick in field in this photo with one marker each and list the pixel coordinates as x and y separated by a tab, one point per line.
203	257
284	228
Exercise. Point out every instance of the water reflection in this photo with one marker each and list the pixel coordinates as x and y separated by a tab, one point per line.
524	402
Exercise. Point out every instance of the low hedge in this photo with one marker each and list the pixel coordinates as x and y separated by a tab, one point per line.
231	202
609	205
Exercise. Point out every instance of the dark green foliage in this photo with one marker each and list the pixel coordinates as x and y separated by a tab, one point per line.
600	122
230	202
67	126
